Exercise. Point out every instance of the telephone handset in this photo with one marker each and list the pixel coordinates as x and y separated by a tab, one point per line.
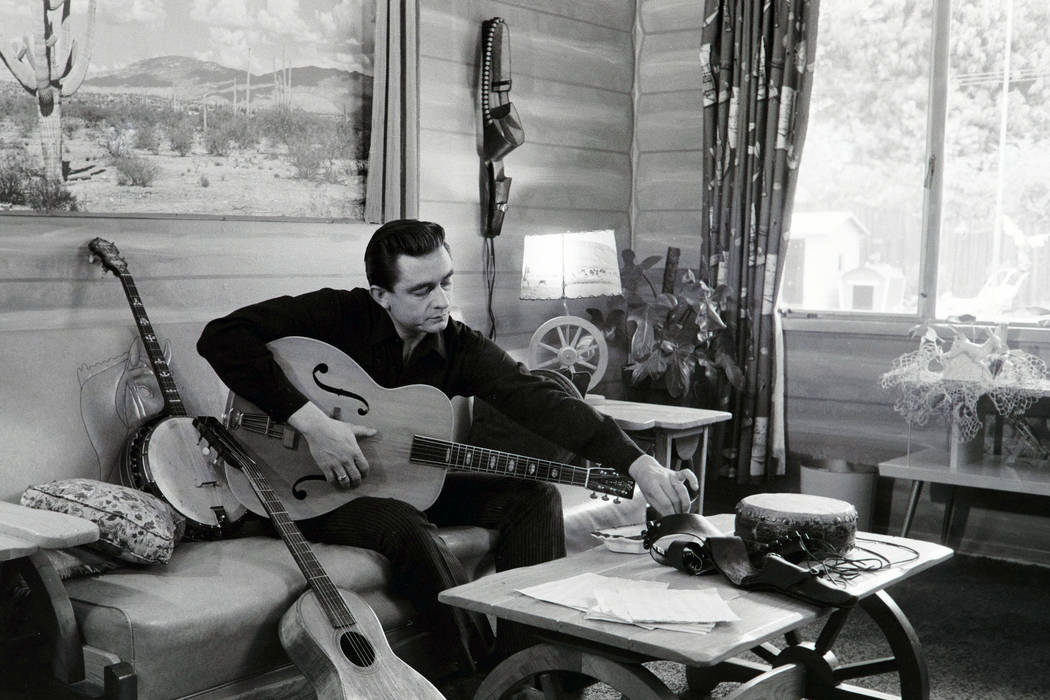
502	131
502	127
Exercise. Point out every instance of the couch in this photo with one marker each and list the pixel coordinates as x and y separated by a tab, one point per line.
204	625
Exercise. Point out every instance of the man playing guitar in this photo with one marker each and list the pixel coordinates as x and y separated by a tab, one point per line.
400	332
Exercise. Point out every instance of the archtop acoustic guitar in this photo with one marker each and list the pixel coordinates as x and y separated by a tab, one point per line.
408	456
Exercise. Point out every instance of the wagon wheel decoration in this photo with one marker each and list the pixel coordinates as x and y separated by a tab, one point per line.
570	343
825	674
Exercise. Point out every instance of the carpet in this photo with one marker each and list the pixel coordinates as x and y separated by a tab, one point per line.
984	625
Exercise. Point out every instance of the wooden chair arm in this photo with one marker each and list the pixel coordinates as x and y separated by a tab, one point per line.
44	528
24	533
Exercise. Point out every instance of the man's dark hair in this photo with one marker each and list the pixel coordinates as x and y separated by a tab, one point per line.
395	238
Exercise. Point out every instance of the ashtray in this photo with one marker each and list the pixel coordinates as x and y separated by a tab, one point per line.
626	539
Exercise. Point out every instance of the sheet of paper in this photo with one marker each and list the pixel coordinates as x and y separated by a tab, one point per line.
676	606
579	591
647	604
690	627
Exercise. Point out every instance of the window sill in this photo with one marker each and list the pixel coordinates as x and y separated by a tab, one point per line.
891	325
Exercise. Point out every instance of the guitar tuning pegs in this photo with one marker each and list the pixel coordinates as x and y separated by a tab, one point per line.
605	497
617	500
594	494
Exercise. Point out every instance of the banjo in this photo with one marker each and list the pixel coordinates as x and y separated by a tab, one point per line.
163	457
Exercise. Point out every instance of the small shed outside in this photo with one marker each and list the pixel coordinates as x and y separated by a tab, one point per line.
823	246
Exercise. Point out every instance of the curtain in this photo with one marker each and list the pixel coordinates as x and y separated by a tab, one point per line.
392	190
756	62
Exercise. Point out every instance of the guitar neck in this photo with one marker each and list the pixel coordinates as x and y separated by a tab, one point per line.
236	454
455	455
172	400
338	613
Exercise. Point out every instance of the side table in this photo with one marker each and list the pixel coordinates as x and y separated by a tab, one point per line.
991	472
677	430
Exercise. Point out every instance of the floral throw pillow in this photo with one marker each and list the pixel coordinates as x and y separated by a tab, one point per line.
134	526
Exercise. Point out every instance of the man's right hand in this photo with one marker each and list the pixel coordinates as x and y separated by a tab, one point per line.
333	445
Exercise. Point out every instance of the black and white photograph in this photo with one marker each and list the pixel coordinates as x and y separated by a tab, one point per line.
524	349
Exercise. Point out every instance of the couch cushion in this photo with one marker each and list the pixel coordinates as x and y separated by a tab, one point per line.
216	606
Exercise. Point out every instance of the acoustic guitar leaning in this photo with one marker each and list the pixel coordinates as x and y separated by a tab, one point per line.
331	634
409	455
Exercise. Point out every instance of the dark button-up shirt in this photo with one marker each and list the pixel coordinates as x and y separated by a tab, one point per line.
459	361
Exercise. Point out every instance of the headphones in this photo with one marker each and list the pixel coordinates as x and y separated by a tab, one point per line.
680	540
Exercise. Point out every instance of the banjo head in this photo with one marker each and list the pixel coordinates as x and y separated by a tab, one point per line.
168	459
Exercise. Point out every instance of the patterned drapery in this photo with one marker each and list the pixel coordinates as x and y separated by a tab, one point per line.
757	65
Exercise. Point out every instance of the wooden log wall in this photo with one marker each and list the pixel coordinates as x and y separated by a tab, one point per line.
667	182
573	70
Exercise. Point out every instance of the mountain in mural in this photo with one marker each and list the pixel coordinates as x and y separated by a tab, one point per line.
312	88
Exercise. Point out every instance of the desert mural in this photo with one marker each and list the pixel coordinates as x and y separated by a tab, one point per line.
247	108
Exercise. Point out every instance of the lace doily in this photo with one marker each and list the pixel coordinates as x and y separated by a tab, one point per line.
931	381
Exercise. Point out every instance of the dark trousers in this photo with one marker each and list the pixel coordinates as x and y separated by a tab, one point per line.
526	514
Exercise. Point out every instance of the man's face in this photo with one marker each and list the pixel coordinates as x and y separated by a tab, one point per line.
422	296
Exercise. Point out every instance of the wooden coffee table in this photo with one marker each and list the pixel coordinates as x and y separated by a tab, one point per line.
614	653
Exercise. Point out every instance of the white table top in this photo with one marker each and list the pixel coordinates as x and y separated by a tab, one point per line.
44	528
991	472
632	415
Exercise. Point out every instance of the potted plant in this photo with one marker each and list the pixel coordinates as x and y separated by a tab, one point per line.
677	341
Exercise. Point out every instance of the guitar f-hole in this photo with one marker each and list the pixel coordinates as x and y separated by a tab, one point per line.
322	368
298	491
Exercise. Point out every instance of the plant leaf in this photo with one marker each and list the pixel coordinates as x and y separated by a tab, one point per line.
732	371
642	340
650	261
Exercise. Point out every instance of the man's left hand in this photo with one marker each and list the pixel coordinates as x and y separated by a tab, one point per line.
664	489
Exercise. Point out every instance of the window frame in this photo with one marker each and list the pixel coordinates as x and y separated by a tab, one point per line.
800	318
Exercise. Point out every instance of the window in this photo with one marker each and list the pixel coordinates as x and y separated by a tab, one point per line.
929	127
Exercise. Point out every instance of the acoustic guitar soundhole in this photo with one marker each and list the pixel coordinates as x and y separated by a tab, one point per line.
357	649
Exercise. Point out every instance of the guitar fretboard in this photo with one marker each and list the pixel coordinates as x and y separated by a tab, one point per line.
427	450
328	595
172	400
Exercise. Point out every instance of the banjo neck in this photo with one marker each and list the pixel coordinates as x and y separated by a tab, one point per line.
172	400
109	257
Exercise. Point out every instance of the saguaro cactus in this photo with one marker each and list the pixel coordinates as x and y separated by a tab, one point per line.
51	66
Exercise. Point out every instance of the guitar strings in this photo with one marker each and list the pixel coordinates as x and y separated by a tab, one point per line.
444	453
434	451
449	454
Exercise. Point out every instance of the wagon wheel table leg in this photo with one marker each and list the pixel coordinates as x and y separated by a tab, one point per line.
826	675
541	663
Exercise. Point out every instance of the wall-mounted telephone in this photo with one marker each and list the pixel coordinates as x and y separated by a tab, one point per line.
501	128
